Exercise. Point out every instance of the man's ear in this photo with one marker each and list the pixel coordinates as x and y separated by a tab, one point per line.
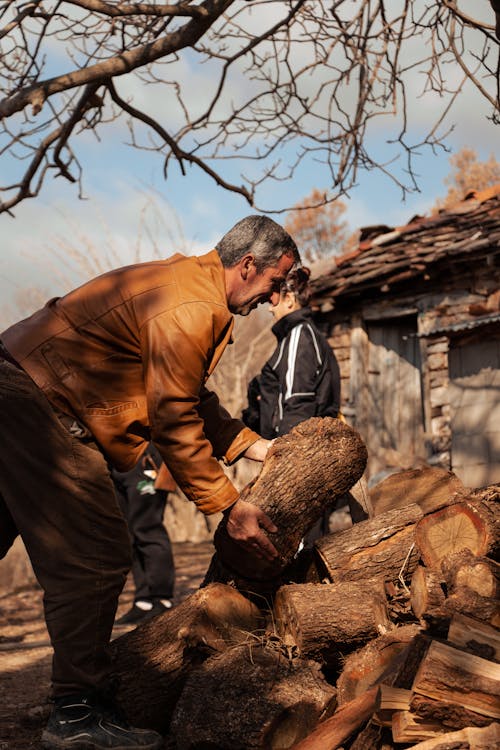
246	265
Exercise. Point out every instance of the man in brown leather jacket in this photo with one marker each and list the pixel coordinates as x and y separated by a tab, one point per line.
90	379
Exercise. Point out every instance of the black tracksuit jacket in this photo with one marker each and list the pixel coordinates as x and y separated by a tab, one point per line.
301	379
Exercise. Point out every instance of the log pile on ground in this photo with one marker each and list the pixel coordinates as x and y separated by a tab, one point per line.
392	642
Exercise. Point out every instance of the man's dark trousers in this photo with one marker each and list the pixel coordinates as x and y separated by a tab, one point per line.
56	491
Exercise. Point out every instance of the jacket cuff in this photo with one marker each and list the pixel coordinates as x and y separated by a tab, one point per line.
222	500
242	441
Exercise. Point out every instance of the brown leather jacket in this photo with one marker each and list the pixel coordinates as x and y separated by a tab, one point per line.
128	354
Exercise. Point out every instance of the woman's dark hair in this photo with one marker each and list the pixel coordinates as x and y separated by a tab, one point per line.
297	282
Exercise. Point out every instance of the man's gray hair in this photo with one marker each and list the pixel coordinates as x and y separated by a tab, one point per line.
261	236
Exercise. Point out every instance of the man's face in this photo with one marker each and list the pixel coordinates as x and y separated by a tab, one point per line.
257	288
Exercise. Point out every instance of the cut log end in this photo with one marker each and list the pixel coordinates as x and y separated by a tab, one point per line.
450	530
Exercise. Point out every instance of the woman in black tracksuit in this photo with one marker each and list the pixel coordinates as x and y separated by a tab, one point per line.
301	379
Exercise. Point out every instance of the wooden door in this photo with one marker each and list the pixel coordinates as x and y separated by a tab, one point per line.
474	368
393	395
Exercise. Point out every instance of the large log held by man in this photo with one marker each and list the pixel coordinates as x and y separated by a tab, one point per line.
305	470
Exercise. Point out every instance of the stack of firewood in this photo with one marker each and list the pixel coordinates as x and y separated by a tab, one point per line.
385	636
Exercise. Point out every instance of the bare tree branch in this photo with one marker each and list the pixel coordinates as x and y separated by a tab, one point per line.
264	85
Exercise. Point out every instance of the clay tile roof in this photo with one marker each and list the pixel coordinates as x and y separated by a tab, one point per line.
388	256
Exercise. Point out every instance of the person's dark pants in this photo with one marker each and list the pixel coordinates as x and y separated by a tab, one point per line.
152	560
56	492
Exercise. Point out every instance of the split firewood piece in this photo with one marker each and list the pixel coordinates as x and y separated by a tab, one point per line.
408	727
381	547
251	697
431	488
481	574
470	738
450	675
391	699
449	530
449	715
475	636
427	590
332	732
375	661
326	620
153	661
304	471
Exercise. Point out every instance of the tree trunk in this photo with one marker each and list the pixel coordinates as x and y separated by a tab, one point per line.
250	697
450	530
331	733
379	547
153	661
302	475
431	488
427	590
328	620
370	664
450	675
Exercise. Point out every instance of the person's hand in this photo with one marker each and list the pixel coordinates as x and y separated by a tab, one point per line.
258	450
245	523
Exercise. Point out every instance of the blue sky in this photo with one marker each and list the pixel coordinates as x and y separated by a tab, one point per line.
125	188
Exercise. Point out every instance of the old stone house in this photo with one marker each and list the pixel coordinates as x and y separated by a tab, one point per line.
413	314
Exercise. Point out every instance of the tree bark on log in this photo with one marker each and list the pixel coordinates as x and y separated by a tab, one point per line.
450	715
431	488
452	529
304	471
487	502
463	601
153	661
331	733
328	620
379	547
427	590
250	697
371	664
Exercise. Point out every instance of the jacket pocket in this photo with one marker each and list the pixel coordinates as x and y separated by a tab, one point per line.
110	409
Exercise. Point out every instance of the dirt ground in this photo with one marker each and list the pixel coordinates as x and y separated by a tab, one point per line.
25	655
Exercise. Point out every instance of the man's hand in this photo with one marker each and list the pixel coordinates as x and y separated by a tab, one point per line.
244	524
258	450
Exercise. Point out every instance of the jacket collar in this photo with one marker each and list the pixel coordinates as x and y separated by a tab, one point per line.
283	326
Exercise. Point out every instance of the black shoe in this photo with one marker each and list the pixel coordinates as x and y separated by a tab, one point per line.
81	723
136	614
